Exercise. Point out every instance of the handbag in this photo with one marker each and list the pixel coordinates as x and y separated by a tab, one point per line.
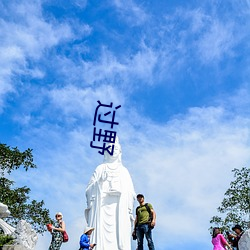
65	236
49	227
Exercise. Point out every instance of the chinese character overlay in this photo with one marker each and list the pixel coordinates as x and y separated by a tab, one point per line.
107	135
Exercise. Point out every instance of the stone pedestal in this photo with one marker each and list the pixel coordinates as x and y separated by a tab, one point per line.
244	242
25	237
13	247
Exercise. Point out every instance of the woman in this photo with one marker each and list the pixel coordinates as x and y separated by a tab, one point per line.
84	240
56	231
218	240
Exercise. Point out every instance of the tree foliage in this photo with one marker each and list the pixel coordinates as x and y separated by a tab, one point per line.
235	207
11	159
6	239
17	199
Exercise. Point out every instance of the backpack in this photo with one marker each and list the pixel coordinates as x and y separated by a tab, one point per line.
149	212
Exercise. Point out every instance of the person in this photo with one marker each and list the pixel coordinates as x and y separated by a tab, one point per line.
85	239
56	231
239	231
218	240
110	198
231	240
142	226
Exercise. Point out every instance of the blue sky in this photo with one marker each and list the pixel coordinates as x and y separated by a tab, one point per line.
180	71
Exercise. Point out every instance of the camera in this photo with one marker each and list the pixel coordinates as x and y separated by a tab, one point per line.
134	235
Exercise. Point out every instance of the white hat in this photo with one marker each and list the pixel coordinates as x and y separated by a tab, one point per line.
87	229
59	213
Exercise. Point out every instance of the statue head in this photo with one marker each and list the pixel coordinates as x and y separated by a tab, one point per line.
117	153
4	212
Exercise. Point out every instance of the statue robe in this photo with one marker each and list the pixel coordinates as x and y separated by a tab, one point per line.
110	197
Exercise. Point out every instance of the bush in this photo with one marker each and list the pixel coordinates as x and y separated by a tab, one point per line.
6	240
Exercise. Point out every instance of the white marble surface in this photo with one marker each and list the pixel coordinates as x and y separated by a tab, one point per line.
244	242
14	247
110	197
4	212
7	229
25	237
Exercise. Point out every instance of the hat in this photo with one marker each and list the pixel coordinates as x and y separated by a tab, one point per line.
237	227
140	195
59	213
87	229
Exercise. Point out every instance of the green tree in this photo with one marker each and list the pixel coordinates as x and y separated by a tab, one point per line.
17	199
235	207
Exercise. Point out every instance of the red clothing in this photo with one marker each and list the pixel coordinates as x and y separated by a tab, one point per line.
219	242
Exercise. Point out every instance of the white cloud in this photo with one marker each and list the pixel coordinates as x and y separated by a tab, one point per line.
197	33
131	12
105	69
121	71
186	168
240	101
198	19
143	63
76	101
183	167
25	35
31	33
80	3
217	42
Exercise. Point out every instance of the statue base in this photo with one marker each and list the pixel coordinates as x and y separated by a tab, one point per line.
12	247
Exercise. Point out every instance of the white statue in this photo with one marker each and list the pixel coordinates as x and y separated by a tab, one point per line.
25	235
110	197
244	242
4	212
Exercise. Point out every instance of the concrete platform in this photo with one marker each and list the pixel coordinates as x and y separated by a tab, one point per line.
13	247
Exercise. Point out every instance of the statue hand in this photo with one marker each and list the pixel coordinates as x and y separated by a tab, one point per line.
104	176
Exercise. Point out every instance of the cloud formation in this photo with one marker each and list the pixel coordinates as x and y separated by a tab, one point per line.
181	76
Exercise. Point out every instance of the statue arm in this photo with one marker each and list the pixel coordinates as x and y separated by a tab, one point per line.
91	190
93	185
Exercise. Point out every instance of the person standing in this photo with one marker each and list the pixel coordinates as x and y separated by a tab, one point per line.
85	239
218	240
143	225
239	231
56	231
